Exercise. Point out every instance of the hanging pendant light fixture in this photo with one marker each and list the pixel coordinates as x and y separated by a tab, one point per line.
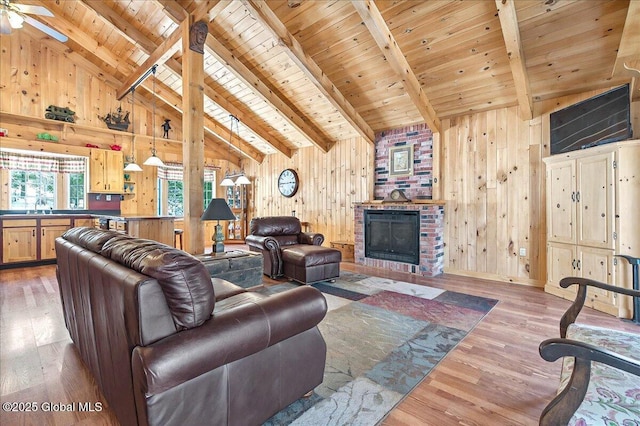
154	160
242	179
131	161
227	181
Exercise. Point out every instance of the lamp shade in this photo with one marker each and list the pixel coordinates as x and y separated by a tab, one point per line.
243	180
218	209
227	182
154	160
132	167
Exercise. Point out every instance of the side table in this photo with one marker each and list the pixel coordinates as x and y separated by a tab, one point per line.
239	267
347	249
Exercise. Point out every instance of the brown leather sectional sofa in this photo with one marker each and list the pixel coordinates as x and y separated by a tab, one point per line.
168	345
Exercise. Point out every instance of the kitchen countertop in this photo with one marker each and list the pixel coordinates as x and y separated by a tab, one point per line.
110	216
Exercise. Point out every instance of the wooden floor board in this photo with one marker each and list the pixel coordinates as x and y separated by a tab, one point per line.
494	376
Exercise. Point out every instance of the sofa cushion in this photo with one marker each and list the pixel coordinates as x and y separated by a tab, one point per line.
91	238
275	225
306	255
184	280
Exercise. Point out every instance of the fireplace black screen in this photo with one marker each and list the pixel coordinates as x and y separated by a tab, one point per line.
392	235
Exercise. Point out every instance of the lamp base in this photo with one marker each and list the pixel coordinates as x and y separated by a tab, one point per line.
218	238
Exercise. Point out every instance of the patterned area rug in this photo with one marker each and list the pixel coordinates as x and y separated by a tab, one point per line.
383	338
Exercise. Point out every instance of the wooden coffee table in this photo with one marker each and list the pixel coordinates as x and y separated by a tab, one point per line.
242	268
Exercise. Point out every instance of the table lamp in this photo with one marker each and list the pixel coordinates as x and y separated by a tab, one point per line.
218	209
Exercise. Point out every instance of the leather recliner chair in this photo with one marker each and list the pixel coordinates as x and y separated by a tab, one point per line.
290	252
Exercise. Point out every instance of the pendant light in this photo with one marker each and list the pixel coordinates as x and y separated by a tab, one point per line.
227	179
242	179
132	166
154	160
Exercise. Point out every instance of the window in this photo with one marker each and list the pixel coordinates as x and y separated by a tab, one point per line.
32	190
76	199
170	182
175	198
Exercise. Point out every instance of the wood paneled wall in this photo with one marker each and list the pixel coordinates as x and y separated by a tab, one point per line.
493	184
329	185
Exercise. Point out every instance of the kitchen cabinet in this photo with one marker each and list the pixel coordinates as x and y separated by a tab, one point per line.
86	221
592	197
19	240
106	171
50	229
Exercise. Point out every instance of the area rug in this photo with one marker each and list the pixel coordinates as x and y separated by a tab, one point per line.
383	338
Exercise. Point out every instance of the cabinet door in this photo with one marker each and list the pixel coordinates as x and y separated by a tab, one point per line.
48	240
114	174
19	244
595	201
83	222
561	263
597	264
561	192
96	170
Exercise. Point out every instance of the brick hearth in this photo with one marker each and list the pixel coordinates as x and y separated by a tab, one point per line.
431	238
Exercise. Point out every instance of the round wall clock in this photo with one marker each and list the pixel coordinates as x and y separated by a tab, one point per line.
288	182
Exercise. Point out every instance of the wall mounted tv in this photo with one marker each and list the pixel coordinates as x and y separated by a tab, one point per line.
602	119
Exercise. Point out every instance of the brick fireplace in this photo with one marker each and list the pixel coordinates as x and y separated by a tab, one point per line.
431	238
417	186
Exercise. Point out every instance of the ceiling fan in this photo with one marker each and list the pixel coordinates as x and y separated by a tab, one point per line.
13	15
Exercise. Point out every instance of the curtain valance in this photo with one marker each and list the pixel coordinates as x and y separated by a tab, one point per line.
174	171
42	163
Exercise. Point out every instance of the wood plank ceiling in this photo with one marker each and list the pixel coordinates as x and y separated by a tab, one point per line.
300	73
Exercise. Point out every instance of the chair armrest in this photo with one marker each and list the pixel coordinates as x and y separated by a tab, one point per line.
310	238
262	243
571	314
553	349
227	337
564	405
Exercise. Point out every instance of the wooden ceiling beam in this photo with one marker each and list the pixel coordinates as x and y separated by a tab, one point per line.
85	41
213	127
261	11
124	27
220	96
241	72
378	28
159	56
511	35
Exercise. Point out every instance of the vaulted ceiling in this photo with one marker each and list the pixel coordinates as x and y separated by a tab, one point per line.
301	73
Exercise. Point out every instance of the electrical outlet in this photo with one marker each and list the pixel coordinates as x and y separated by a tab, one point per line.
108	197
523	251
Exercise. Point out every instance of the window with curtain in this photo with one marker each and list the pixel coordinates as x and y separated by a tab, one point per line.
34	178
170	181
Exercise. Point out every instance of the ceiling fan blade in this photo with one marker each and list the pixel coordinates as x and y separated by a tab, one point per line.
45	29
5	25
34	10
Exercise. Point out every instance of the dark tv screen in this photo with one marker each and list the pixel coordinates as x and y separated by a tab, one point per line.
602	119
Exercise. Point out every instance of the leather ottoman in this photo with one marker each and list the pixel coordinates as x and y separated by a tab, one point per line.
309	264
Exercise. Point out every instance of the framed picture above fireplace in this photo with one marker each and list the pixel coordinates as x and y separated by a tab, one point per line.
401	161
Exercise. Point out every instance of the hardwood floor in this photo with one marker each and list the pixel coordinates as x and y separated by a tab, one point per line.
494	376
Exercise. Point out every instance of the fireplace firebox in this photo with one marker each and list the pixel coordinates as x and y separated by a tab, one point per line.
392	235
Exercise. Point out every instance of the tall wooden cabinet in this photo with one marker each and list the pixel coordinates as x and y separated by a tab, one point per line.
593	196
